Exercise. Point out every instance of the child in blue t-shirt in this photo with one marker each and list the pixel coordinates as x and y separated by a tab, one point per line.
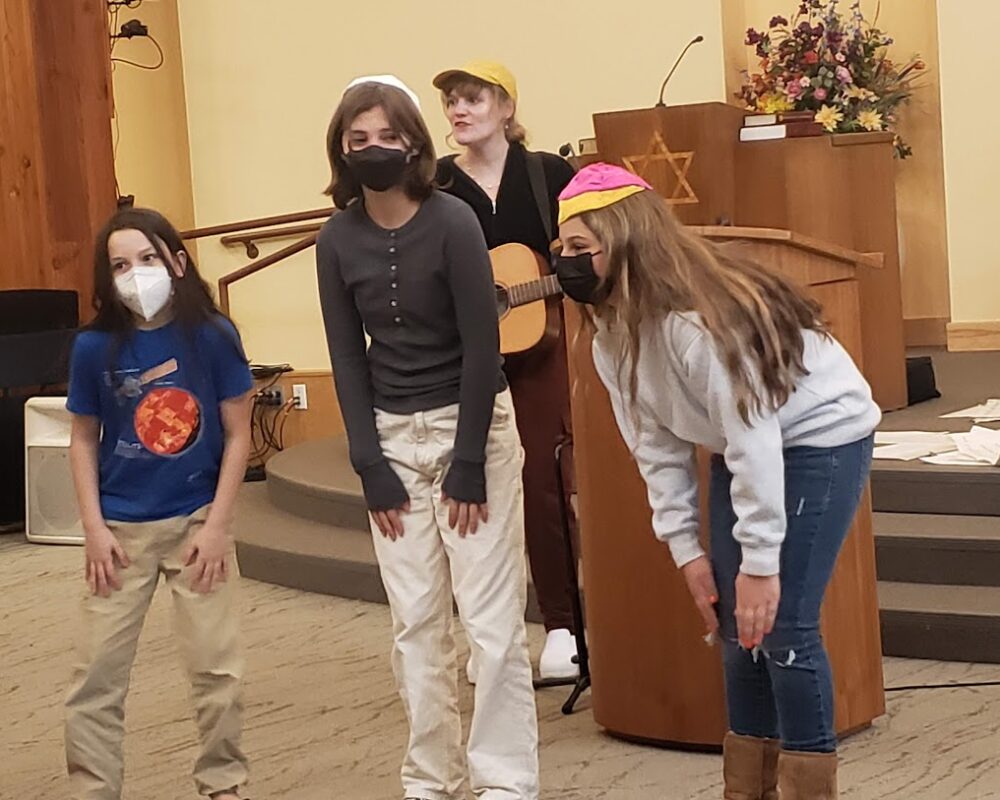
160	396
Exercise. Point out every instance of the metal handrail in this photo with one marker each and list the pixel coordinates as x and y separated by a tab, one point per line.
261	222
227	280
250	238
248	229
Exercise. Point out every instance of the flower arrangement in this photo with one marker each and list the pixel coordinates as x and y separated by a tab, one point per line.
835	64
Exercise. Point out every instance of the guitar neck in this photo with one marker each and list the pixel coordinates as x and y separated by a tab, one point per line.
529	292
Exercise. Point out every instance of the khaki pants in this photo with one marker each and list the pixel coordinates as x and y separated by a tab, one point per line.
486	572
207	632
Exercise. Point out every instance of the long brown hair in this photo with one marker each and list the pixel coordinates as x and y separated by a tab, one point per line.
469	88
193	303
405	119
755	316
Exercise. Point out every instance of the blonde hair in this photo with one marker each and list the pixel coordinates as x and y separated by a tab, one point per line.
755	316
469	88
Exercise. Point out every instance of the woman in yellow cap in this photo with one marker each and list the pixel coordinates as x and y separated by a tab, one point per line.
699	345
514	194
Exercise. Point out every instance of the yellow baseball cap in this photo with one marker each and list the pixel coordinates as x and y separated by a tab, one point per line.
486	71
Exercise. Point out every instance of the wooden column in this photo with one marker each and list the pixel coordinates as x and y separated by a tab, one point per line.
57	179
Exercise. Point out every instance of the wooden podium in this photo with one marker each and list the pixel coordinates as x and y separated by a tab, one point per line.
654	677
838	189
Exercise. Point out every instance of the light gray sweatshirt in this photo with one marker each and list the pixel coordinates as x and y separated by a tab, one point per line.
685	398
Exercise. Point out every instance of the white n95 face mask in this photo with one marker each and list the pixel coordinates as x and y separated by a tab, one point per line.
145	290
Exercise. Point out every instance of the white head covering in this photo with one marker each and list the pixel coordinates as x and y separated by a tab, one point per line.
387	80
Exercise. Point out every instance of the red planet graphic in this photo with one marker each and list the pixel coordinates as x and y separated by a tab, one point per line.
167	421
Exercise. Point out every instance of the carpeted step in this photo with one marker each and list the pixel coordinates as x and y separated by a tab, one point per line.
912	487
946	622
938	549
315	481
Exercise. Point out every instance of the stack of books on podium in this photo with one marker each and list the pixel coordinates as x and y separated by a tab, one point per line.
781	125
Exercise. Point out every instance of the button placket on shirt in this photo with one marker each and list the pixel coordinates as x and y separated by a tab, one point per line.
394	283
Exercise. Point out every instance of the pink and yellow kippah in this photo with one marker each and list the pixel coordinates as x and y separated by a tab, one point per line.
598	186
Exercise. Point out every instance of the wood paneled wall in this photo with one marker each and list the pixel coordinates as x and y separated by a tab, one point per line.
57	180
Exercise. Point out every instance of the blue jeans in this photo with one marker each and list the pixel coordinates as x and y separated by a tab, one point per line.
784	689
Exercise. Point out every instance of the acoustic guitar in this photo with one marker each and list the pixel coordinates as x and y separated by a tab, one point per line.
529	317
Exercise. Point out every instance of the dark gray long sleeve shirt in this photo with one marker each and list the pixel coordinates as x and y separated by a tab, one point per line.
425	295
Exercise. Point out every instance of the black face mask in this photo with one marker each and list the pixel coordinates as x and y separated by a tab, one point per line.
378	168
577	277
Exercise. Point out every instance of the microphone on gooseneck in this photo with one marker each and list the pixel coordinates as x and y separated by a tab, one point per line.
673	69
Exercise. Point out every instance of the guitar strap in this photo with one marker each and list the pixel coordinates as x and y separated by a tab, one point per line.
540	189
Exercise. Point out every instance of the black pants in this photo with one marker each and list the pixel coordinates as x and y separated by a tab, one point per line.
539	382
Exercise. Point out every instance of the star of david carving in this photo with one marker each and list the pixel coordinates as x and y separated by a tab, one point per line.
683	193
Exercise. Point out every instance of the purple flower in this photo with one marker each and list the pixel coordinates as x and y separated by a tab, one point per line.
776	21
753	37
820	94
805	27
887	42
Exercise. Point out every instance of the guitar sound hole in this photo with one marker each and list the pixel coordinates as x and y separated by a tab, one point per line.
503	301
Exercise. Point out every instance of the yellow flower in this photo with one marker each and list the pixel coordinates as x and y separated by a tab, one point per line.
829	117
870	120
857	93
772	103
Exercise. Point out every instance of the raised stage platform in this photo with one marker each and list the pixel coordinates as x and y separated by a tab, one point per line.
306	526
937	529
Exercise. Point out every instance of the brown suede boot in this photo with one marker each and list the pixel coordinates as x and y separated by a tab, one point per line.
749	768
769	775
807	776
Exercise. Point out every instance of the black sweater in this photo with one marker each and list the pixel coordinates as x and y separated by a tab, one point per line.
516	217
424	293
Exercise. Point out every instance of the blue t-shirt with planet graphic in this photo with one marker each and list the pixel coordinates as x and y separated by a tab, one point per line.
162	439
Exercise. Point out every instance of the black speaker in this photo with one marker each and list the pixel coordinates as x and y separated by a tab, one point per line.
37	327
35	310
920	382
11	462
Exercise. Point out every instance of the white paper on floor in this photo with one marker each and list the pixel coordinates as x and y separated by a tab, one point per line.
984	412
952	459
936	440
978	447
903	451
911	445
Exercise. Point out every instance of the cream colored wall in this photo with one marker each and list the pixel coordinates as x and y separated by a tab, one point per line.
971	159
735	16
263	78
920	195
152	158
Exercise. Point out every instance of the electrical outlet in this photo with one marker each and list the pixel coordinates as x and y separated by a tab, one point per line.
300	397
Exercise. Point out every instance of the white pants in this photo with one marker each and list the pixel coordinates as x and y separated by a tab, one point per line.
486	572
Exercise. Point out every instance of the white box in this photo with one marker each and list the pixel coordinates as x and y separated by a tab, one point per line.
51	514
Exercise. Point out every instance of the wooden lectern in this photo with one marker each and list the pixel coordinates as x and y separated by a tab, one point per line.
654	677
838	189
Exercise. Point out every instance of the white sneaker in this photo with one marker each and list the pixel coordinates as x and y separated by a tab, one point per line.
472	667
557	656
